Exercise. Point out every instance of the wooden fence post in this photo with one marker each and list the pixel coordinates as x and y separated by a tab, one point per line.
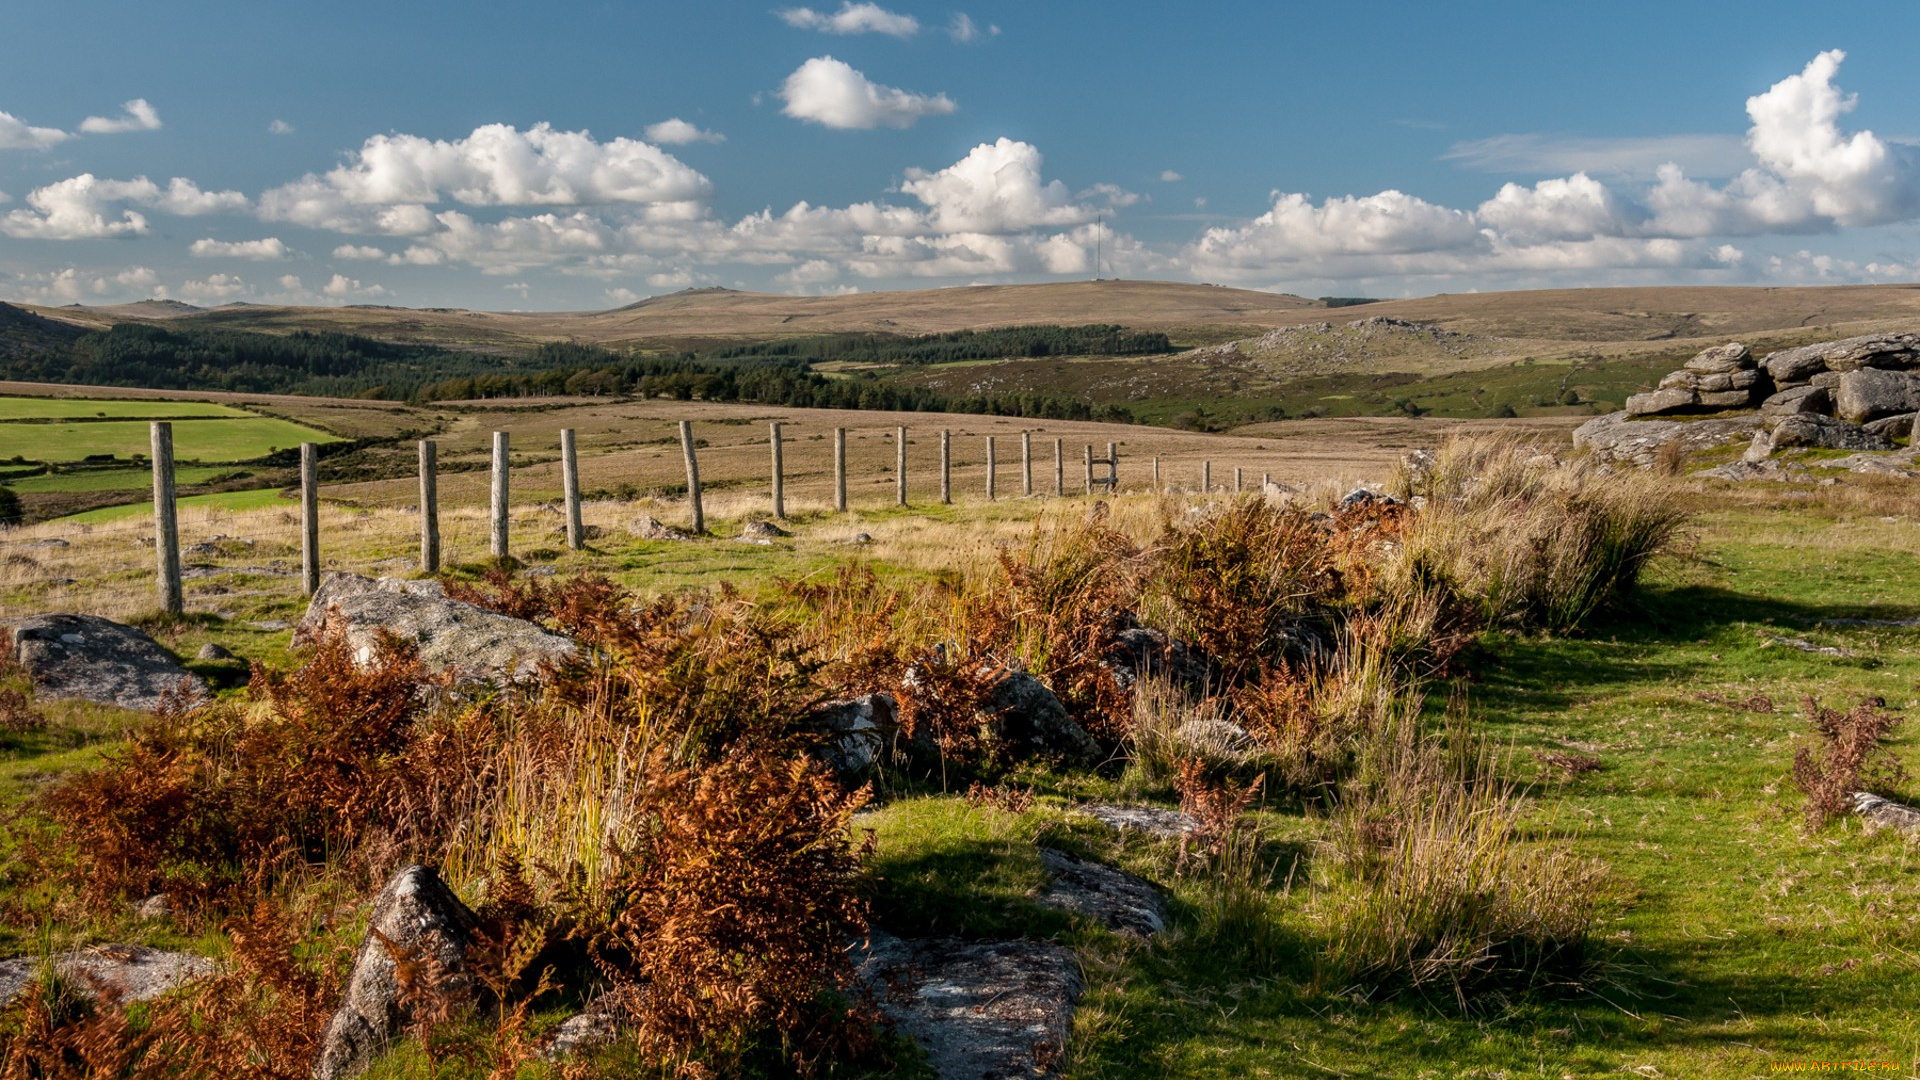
1236	479
840	469
779	478
1113	469
1089	468
1266	481
693	478
1026	463
166	523
499	546
946	467
570	488
1059	467
991	463
429	509
1206	477
1156	474
309	519
900	465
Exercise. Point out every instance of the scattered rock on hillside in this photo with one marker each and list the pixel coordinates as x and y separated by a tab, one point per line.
1884	813
213	650
763	530
1895	464
650	528
473	643
1826	433
590	1029
1744	470
983	1010
1892	427
127	973
90	658
1111	897
1032	722
1141	651
418	916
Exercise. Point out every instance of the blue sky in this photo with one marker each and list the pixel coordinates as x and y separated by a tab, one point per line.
582	155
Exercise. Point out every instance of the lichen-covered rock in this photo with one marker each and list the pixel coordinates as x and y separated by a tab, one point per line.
416	915
1899	426
1029	720
1799	399
1826	433
86	657
855	731
1111	897
125	973
1662	402
1721	359
1793	367
472	643
1868	394
1719	400
1620	438
647	527
982	1010
1142	652
1885	813
1155	821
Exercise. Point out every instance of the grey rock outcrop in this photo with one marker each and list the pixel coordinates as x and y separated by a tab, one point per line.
86	657
1800	399
124	973
1892	427
982	1010
1869	394
1142	652
650	528
763	530
856	730
472	643
1662	402
585	1031
1826	433
416	914
1620	438
1031	722
1792	367
1111	897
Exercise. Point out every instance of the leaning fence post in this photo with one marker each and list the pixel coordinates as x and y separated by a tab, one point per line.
693	478
1026	463
570	488
166	523
779	479
900	465
946	466
309	519
429	509
499	546
1059	467
840	469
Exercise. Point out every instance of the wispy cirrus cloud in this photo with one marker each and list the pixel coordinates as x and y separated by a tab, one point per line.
1628	158
852	18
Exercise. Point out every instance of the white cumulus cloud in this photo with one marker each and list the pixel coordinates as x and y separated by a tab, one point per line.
280	127
964	30
80	208
832	93
996	188
17	134
358	251
217	288
678	132
852	19
263	250
390	183
342	287
137	115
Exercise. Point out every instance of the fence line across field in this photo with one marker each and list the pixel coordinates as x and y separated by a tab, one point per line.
167	529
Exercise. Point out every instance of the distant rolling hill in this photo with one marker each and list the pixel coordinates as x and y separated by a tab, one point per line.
1250	355
24	334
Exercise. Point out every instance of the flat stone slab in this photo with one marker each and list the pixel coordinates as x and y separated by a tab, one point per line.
1112	897
88	658
128	972
475	644
982	1010
1152	820
1885	813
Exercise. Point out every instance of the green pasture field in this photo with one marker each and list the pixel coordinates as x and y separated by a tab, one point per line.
39	408
226	500
239	439
113	479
